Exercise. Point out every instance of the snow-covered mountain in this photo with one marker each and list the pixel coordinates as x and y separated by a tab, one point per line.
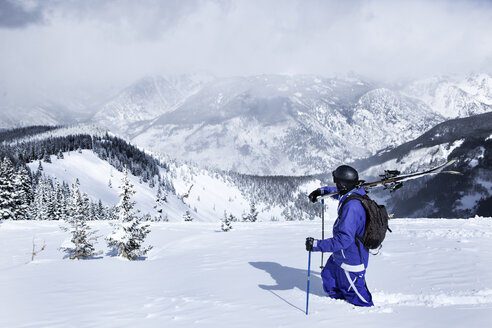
454	98
268	124
286	125
469	140
145	100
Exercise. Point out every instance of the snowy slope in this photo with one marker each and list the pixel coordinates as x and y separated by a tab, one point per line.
94	175
209	193
429	273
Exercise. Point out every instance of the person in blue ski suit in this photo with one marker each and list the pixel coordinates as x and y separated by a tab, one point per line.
344	273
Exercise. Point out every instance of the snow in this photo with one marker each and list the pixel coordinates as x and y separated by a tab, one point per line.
429	273
94	175
211	194
416	159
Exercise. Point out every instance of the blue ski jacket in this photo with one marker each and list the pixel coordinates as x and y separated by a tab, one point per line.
348	253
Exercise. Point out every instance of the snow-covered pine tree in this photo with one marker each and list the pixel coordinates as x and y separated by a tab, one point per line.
47	157
44	200
22	193
39	212
226	222
161	198
129	234
100	211
50	201
187	216
81	244
111	213
87	206
92	211
7	200
60	206
253	213
287	214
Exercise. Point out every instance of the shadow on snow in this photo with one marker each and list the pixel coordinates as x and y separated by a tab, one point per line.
287	278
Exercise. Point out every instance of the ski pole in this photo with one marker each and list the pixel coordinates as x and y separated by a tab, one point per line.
322	228
308	277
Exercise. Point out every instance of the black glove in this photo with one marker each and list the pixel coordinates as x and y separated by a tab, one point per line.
309	244
314	195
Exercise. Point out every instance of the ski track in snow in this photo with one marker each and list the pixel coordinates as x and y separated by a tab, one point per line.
429	273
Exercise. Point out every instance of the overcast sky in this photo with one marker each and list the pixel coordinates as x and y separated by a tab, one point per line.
98	43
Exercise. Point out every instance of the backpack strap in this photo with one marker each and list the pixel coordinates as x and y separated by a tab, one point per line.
354	196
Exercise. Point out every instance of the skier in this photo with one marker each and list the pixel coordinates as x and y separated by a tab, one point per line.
344	273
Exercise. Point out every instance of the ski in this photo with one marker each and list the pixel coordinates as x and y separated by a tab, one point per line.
393	179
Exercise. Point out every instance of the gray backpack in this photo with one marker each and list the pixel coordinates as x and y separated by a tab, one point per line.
376	222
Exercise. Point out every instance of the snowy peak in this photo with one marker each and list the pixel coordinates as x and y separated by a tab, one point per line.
145	100
479	86
263	97
453	98
383	117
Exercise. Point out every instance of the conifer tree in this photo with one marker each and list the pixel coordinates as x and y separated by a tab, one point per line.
161	198
100	211
227	222
83	237
287	214
187	216
253	213
111	213
60	209
87	207
47	157
43	200
22	194
129	234
7	201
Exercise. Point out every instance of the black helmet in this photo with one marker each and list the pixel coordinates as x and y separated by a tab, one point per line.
346	178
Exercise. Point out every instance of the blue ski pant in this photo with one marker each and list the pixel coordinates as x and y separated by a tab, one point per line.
341	284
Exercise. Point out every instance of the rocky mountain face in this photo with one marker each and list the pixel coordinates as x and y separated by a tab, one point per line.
284	125
469	140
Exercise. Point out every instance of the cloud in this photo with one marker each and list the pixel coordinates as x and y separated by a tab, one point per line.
15	14
105	43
